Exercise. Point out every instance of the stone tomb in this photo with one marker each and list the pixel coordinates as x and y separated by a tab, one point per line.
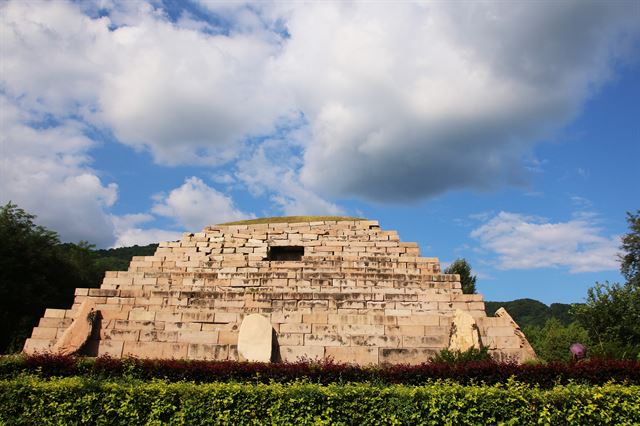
344	289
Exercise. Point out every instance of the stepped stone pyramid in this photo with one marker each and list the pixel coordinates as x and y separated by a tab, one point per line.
343	289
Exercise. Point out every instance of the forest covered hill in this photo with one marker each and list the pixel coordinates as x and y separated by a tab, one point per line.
119	258
528	312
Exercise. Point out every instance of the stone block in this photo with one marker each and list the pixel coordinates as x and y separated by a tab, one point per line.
295	328
352	354
168	316
155	350
140	315
255	339
326	340
120	335
137	325
290	339
410	356
158	336
361	329
77	334
315	318
33	346
227	337
378	341
325	329
194	336
464	332
54	313
298	353
225	317
113	314
287	317
110	348
182	326
44	333
418	319
405	330
55	322
208	352
199	317
505	342
499	332
435	341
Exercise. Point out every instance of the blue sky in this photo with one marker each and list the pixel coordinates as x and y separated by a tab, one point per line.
505	133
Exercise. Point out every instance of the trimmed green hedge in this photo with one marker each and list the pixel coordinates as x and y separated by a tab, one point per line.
76	400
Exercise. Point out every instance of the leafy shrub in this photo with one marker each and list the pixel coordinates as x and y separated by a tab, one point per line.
544	375
30	400
471	354
552	341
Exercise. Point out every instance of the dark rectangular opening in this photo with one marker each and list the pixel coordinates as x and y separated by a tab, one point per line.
285	253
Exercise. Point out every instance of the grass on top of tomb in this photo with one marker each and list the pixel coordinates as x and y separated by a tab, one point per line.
291	219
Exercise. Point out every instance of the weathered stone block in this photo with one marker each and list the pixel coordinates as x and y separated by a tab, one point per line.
326	340
352	354
255	338
54	313
378	341
207	352
404	330
33	346
44	333
290	339
120	335
77	334
155	350
140	315
464	332
405	355
110	348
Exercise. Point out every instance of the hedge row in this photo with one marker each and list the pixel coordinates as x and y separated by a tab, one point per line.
487	372
80	400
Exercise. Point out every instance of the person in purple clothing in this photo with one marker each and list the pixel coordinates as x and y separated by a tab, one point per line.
578	351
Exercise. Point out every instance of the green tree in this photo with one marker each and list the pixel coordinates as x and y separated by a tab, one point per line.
611	313
463	268
630	261
36	272
552	341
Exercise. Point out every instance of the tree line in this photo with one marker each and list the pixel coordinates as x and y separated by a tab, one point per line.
37	271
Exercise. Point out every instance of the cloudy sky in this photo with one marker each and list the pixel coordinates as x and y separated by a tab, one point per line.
503	132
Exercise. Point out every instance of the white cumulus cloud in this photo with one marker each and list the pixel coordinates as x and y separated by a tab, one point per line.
526	242
416	99
270	170
194	205
187	96
46	170
129	232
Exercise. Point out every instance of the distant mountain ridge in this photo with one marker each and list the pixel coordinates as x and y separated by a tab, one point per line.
528	312
117	259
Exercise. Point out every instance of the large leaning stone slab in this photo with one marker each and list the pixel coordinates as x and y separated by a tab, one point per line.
527	353
78	332
464	332
254	338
